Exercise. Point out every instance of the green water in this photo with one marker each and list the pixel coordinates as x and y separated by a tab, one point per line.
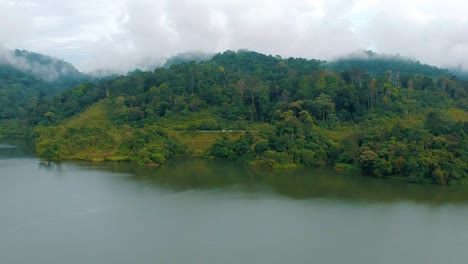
196	211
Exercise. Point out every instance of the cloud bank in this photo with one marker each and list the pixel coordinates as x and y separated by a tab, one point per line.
119	34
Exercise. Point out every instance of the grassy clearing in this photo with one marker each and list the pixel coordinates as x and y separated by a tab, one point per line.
199	142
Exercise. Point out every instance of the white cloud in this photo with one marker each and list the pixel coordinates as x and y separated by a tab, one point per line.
119	34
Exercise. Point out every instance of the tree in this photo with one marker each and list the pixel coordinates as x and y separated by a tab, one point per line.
367	160
324	106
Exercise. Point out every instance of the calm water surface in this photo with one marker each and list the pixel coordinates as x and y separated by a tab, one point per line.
199	211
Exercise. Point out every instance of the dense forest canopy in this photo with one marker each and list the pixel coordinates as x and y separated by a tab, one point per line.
388	118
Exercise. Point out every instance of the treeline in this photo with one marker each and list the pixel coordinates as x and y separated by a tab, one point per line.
294	112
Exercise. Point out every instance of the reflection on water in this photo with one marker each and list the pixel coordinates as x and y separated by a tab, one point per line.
6	146
14	148
298	183
181	175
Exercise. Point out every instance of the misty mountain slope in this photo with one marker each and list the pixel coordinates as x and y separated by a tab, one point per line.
186	57
52	70
268	112
25	77
377	64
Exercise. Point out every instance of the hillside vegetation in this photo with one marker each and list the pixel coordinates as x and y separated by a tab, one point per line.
92	136
267	111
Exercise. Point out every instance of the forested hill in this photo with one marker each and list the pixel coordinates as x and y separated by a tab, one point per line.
26	77
269	112
377	64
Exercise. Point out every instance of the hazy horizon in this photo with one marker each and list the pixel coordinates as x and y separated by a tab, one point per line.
121	35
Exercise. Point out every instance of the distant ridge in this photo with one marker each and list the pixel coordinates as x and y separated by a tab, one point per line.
25	77
42	67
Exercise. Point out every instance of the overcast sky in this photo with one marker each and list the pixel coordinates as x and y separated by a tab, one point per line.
118	34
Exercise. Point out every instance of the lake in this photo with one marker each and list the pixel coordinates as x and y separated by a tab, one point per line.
199	211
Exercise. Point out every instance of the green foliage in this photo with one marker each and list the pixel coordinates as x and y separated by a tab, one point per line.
367	160
221	148
12	128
